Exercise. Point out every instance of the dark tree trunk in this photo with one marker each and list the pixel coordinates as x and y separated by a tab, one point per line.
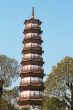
71	90
1	93
72	98
1	89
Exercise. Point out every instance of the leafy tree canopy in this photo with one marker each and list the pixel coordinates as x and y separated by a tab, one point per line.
60	81
9	68
9	71
52	103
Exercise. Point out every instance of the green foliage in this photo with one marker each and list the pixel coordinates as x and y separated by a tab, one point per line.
52	103
9	68
61	73
22	109
25	109
9	71
5	105
60	82
11	95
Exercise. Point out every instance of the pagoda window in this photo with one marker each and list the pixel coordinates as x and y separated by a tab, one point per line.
28	45
21	95
40	93
25	80
35	45
40	79
25	94
37	93
28	25
34	34
28	35
34	25
32	93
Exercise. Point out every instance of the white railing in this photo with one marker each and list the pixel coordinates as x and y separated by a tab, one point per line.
31	67
32	45
26	94
32	56
31	80
31	25
31	35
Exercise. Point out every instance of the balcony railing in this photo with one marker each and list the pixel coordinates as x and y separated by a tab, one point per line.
30	25
33	59
32	56
33	71
32	35
30	97
32	82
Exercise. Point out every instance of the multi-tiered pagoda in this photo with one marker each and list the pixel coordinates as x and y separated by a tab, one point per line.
32	73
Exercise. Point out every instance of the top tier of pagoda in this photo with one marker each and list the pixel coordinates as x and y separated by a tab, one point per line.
32	73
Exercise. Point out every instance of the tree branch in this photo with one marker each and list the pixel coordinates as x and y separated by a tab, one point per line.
68	100
67	105
68	85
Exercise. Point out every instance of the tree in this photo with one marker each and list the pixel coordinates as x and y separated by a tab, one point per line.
60	81
52	103
7	105
11	95
9	71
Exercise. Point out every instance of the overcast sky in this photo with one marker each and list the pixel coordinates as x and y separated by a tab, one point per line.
57	26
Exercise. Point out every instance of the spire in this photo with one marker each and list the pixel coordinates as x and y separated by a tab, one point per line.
32	12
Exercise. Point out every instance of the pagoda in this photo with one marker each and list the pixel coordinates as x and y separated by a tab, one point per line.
32	73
